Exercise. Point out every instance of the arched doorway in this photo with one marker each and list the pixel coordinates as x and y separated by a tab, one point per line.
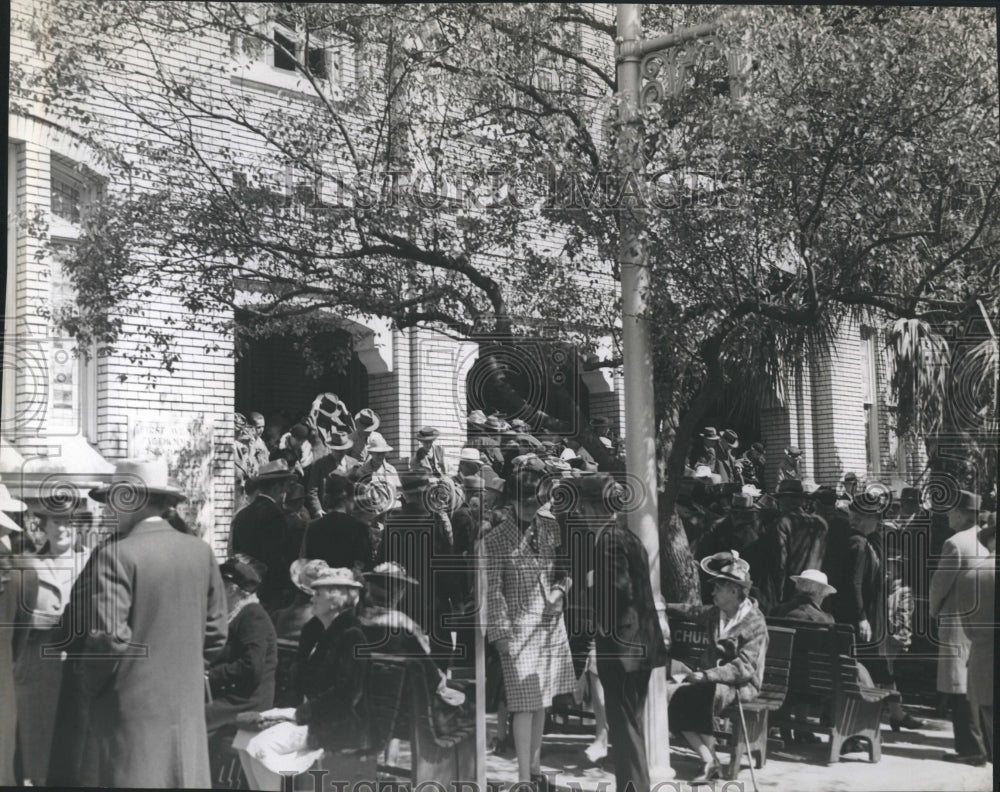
275	377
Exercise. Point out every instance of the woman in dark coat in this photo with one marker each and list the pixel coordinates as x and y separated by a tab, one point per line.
242	677
333	716
733	664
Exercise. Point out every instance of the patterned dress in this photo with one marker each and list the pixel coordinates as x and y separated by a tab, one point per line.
519	578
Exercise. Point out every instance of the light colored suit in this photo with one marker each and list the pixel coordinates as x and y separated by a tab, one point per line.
950	599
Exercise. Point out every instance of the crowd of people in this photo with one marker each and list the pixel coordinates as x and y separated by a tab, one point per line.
138	657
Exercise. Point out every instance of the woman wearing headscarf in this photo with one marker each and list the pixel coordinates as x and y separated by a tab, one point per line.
733	664
241	678
38	672
525	601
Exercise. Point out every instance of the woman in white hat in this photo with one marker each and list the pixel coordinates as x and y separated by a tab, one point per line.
39	676
733	664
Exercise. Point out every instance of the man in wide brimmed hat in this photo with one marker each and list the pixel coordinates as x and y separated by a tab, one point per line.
729	441
366	424
377	469
336	461
429	455
261	531
155	614
811	589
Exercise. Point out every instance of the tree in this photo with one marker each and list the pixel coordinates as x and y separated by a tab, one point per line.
856	178
853	176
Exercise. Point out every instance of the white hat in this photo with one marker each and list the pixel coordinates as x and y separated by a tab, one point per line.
812	579
143	475
606	442
378	445
9	504
470	454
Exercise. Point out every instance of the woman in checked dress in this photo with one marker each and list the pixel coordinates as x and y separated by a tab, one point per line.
525	604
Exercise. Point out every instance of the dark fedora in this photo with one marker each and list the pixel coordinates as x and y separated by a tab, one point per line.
415	481
730	438
709	433
600	422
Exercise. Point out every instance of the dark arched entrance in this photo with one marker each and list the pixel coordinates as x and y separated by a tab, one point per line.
273	376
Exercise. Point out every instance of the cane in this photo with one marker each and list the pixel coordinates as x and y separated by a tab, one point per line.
746	740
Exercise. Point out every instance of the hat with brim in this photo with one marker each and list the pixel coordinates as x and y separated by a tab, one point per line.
9	524
9	503
147	476
304	570
606	442
743	502
476	418
728	566
793	451
600	423
813	580
428	433
336	576
709	433
471	455
389	571
338	441
378	445
729	438
493	424
275	470
367	420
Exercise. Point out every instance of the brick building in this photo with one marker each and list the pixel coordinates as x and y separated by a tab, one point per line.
68	418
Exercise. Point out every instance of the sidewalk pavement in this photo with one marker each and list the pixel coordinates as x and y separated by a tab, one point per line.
910	761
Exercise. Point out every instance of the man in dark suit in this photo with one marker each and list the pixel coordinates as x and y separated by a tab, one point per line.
261	531
629	640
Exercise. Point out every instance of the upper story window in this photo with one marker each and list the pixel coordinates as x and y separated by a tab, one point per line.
296	53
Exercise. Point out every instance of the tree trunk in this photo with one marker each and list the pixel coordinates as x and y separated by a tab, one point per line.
679	579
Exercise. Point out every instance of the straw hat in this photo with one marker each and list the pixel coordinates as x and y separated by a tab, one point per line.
338	441
428	433
145	475
813	580
336	576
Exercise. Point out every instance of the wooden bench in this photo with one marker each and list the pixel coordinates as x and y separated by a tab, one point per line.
401	706
777	666
825	675
689	641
